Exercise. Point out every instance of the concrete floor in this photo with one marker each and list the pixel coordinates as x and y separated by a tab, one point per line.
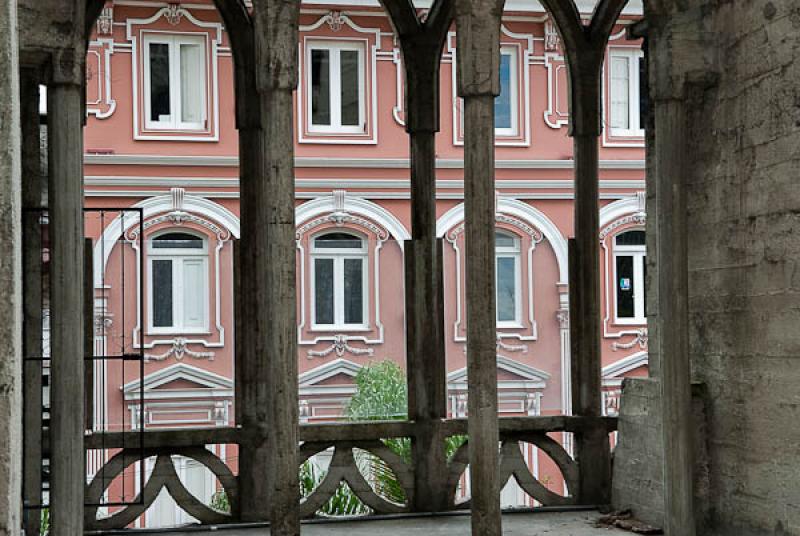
519	524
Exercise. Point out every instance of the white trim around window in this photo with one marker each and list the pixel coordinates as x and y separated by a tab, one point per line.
512	55
624	116
335	260
182	81
185	277
636	283
508	263
339	54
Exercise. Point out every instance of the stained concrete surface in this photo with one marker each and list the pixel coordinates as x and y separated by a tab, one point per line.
516	524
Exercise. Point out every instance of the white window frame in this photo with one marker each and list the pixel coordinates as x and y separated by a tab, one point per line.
513	52
639	254
338	256
515	253
174	41
334	49
634	58
178	256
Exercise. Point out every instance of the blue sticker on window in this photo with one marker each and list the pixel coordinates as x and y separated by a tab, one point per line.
625	283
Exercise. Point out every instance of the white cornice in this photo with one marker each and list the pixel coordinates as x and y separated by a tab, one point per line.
319	162
377	184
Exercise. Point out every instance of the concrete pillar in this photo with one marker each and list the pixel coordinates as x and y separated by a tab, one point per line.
276	36
32	299
251	284
673	314
584	47
478	30
422	45
10	276
65	142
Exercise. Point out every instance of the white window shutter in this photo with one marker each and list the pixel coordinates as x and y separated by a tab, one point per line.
620	93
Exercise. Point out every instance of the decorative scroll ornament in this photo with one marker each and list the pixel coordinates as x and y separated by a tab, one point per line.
173	14
339	218
640	339
507	347
102	322
179	350
105	22
562	315
535	235
638	218
552	40
340	346
335	20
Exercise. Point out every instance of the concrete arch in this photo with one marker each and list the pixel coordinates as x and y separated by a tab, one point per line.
526	213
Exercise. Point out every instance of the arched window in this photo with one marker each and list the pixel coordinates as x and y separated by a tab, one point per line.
178	283
630	270
339	279
507	267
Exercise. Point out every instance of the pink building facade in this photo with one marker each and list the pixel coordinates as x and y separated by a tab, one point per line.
161	139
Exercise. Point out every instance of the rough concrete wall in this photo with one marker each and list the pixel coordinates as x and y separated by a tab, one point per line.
639	457
744	222
10	276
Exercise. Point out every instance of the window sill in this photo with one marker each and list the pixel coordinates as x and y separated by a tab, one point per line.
181	331
510	325
340	329
630	322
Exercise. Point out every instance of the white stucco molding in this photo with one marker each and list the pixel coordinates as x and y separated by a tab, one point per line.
526	213
157	205
353	205
622	207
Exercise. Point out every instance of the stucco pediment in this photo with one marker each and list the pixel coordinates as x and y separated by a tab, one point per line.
615	372
510	374
180	381
336	377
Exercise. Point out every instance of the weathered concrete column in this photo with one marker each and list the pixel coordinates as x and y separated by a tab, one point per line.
673	313
421	44
10	276
32	298
276	36
584	47
251	281
478	30
65	194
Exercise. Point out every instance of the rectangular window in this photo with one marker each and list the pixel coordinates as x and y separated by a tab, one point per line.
323	291
178	291
630	271
175	82
505	105
506	289
336	75
624	72
162	293
353	291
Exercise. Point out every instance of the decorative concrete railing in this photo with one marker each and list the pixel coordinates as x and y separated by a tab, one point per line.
344	439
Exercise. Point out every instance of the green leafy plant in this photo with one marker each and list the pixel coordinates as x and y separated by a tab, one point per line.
220	502
44	526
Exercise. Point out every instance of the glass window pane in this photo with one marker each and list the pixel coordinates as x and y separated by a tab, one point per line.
177	241
193	293
162	293
504	240
193	83
620	93
353	291
502	103
320	87
625	287
323	291
506	289
159	82
350	87
338	241
631	238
